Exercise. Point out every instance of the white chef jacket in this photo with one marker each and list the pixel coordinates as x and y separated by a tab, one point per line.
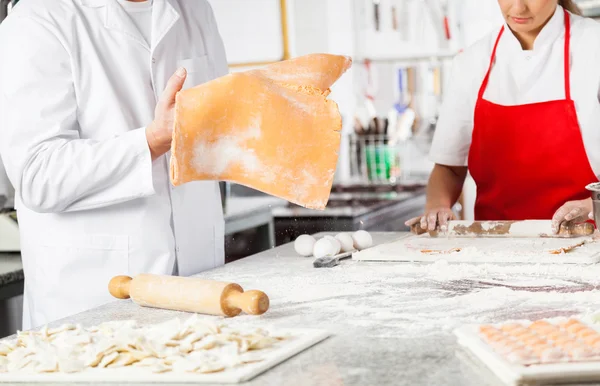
520	77
78	85
141	15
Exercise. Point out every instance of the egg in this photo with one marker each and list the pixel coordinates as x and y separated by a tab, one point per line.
336	242
304	245
362	239
324	247
346	241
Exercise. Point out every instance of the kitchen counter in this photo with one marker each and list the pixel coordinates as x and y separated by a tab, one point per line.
391	322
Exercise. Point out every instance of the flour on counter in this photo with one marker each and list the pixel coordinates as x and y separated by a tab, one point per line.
381	300
516	250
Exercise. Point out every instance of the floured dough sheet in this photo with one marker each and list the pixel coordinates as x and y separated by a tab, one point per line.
191	351
272	129
583	250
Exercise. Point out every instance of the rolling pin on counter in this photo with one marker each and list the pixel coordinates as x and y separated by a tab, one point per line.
189	294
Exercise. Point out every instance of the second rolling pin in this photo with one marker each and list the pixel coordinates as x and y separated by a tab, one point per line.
189	294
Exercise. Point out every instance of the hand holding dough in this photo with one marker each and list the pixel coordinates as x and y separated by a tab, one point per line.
272	129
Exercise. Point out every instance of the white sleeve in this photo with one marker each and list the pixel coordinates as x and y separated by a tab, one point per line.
216	48
452	137
51	167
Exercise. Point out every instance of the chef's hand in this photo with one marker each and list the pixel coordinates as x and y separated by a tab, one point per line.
159	132
433	218
573	211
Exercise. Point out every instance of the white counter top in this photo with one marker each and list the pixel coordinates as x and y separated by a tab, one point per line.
391	322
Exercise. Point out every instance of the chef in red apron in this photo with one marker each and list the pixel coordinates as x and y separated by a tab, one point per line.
522	116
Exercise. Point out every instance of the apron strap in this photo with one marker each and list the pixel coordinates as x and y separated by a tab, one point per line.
567	55
566	59
487	75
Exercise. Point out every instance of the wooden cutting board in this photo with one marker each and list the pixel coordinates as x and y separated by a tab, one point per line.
485	250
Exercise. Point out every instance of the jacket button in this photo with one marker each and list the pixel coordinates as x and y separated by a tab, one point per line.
153	60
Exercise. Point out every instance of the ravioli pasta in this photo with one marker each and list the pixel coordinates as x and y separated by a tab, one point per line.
193	346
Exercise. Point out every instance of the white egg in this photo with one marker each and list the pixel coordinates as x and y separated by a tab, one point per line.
324	247
304	245
346	241
362	239
336	242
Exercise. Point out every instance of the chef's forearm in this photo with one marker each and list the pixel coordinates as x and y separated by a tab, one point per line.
69	175
444	186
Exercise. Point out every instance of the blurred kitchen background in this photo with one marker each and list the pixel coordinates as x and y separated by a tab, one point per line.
389	102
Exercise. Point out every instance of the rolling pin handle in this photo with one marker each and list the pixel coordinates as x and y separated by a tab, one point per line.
119	286
252	302
417	230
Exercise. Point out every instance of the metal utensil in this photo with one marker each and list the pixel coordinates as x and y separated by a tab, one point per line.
595	194
331	261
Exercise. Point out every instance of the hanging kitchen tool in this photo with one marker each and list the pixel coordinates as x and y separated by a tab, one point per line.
411	86
401	116
446	21
365	111
376	14
394	18
438	13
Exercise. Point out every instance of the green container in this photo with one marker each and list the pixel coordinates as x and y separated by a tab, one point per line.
381	161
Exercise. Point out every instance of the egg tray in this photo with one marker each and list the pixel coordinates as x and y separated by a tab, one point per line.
539	352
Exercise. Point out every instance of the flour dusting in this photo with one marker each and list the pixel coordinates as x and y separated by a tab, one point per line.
294	97
214	158
374	299
514	250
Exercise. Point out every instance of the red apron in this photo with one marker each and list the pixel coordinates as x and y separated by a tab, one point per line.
527	160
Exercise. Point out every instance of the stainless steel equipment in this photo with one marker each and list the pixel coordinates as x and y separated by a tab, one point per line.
595	193
4	9
225	188
382	208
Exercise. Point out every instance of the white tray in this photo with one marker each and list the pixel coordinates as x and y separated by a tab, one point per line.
300	341
481	250
511	374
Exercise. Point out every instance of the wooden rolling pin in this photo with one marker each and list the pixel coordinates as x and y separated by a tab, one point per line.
189	294
512	229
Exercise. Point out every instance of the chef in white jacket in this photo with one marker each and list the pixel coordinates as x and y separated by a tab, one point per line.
87	92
